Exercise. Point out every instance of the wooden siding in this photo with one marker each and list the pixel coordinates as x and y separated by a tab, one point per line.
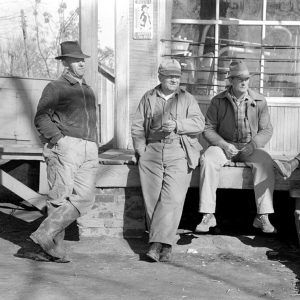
19	99
145	56
286	122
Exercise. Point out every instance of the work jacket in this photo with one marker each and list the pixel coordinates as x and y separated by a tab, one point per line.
189	123
220	123
66	108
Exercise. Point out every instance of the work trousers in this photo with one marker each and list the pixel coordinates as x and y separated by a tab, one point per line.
165	178
261	165
72	166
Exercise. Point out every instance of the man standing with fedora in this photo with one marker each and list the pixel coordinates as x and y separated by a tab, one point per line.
165	138
237	125
66	120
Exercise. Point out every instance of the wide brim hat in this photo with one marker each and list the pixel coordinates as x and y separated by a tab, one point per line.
71	49
238	68
170	67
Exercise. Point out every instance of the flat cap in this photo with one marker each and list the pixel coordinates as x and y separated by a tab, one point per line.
170	67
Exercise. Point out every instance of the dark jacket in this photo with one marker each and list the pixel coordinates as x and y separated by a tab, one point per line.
189	121
66	108
220	120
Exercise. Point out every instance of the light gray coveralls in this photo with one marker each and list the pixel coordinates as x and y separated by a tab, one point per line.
166	159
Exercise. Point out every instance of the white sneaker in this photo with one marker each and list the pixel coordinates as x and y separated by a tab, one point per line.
262	222
208	220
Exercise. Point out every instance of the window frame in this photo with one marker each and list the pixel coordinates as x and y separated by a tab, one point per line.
264	23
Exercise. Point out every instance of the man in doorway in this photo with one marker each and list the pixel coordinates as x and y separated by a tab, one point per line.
66	120
237	126
165	137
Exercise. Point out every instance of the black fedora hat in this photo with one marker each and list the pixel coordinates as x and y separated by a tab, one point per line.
71	49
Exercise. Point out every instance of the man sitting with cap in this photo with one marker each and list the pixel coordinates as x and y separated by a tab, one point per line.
165	131
237	125
66	120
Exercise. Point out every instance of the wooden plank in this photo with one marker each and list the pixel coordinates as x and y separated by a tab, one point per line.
117	157
22	190
122	38
21	152
118	176
15	148
89	38
43	181
230	178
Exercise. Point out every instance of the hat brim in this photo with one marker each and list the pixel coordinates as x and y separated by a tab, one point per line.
170	73
240	76
72	55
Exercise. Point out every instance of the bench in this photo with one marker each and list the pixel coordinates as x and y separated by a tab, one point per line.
118	169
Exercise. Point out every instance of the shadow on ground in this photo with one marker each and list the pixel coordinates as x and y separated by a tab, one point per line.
235	213
18	220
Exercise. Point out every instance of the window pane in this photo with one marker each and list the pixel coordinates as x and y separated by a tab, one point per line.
241	9
194	9
193	46
282	61
287	10
239	42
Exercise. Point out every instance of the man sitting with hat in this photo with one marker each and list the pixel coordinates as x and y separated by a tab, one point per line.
237	125
66	120
164	132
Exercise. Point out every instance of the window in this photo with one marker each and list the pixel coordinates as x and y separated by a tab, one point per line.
208	34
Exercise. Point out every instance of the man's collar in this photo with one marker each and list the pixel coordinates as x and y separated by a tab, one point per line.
243	97
69	77
160	93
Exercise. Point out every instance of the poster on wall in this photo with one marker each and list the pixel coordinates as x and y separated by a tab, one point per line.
143	19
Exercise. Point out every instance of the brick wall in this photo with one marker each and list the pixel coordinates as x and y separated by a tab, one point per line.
117	212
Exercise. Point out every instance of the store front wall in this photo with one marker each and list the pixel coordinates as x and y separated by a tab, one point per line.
206	35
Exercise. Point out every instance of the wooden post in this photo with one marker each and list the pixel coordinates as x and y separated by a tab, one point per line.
88	31
122	74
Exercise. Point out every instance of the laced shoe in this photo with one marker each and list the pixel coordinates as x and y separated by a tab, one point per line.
166	253
208	220
262	222
286	168
154	251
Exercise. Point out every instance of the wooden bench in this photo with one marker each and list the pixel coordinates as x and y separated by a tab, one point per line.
29	153
118	169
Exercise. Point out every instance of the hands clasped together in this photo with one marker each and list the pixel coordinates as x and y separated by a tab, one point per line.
231	150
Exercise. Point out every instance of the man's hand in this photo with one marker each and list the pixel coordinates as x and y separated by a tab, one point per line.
230	150
248	149
169	126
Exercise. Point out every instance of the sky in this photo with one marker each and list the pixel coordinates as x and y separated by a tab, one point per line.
10	17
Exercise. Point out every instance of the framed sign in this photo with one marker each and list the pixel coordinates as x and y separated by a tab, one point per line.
143	19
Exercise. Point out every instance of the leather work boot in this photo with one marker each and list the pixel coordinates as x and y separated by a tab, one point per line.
58	250
286	168
53	225
154	251
208	220
166	253
262	222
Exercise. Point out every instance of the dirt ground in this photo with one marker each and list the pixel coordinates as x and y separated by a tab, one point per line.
231	262
209	266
